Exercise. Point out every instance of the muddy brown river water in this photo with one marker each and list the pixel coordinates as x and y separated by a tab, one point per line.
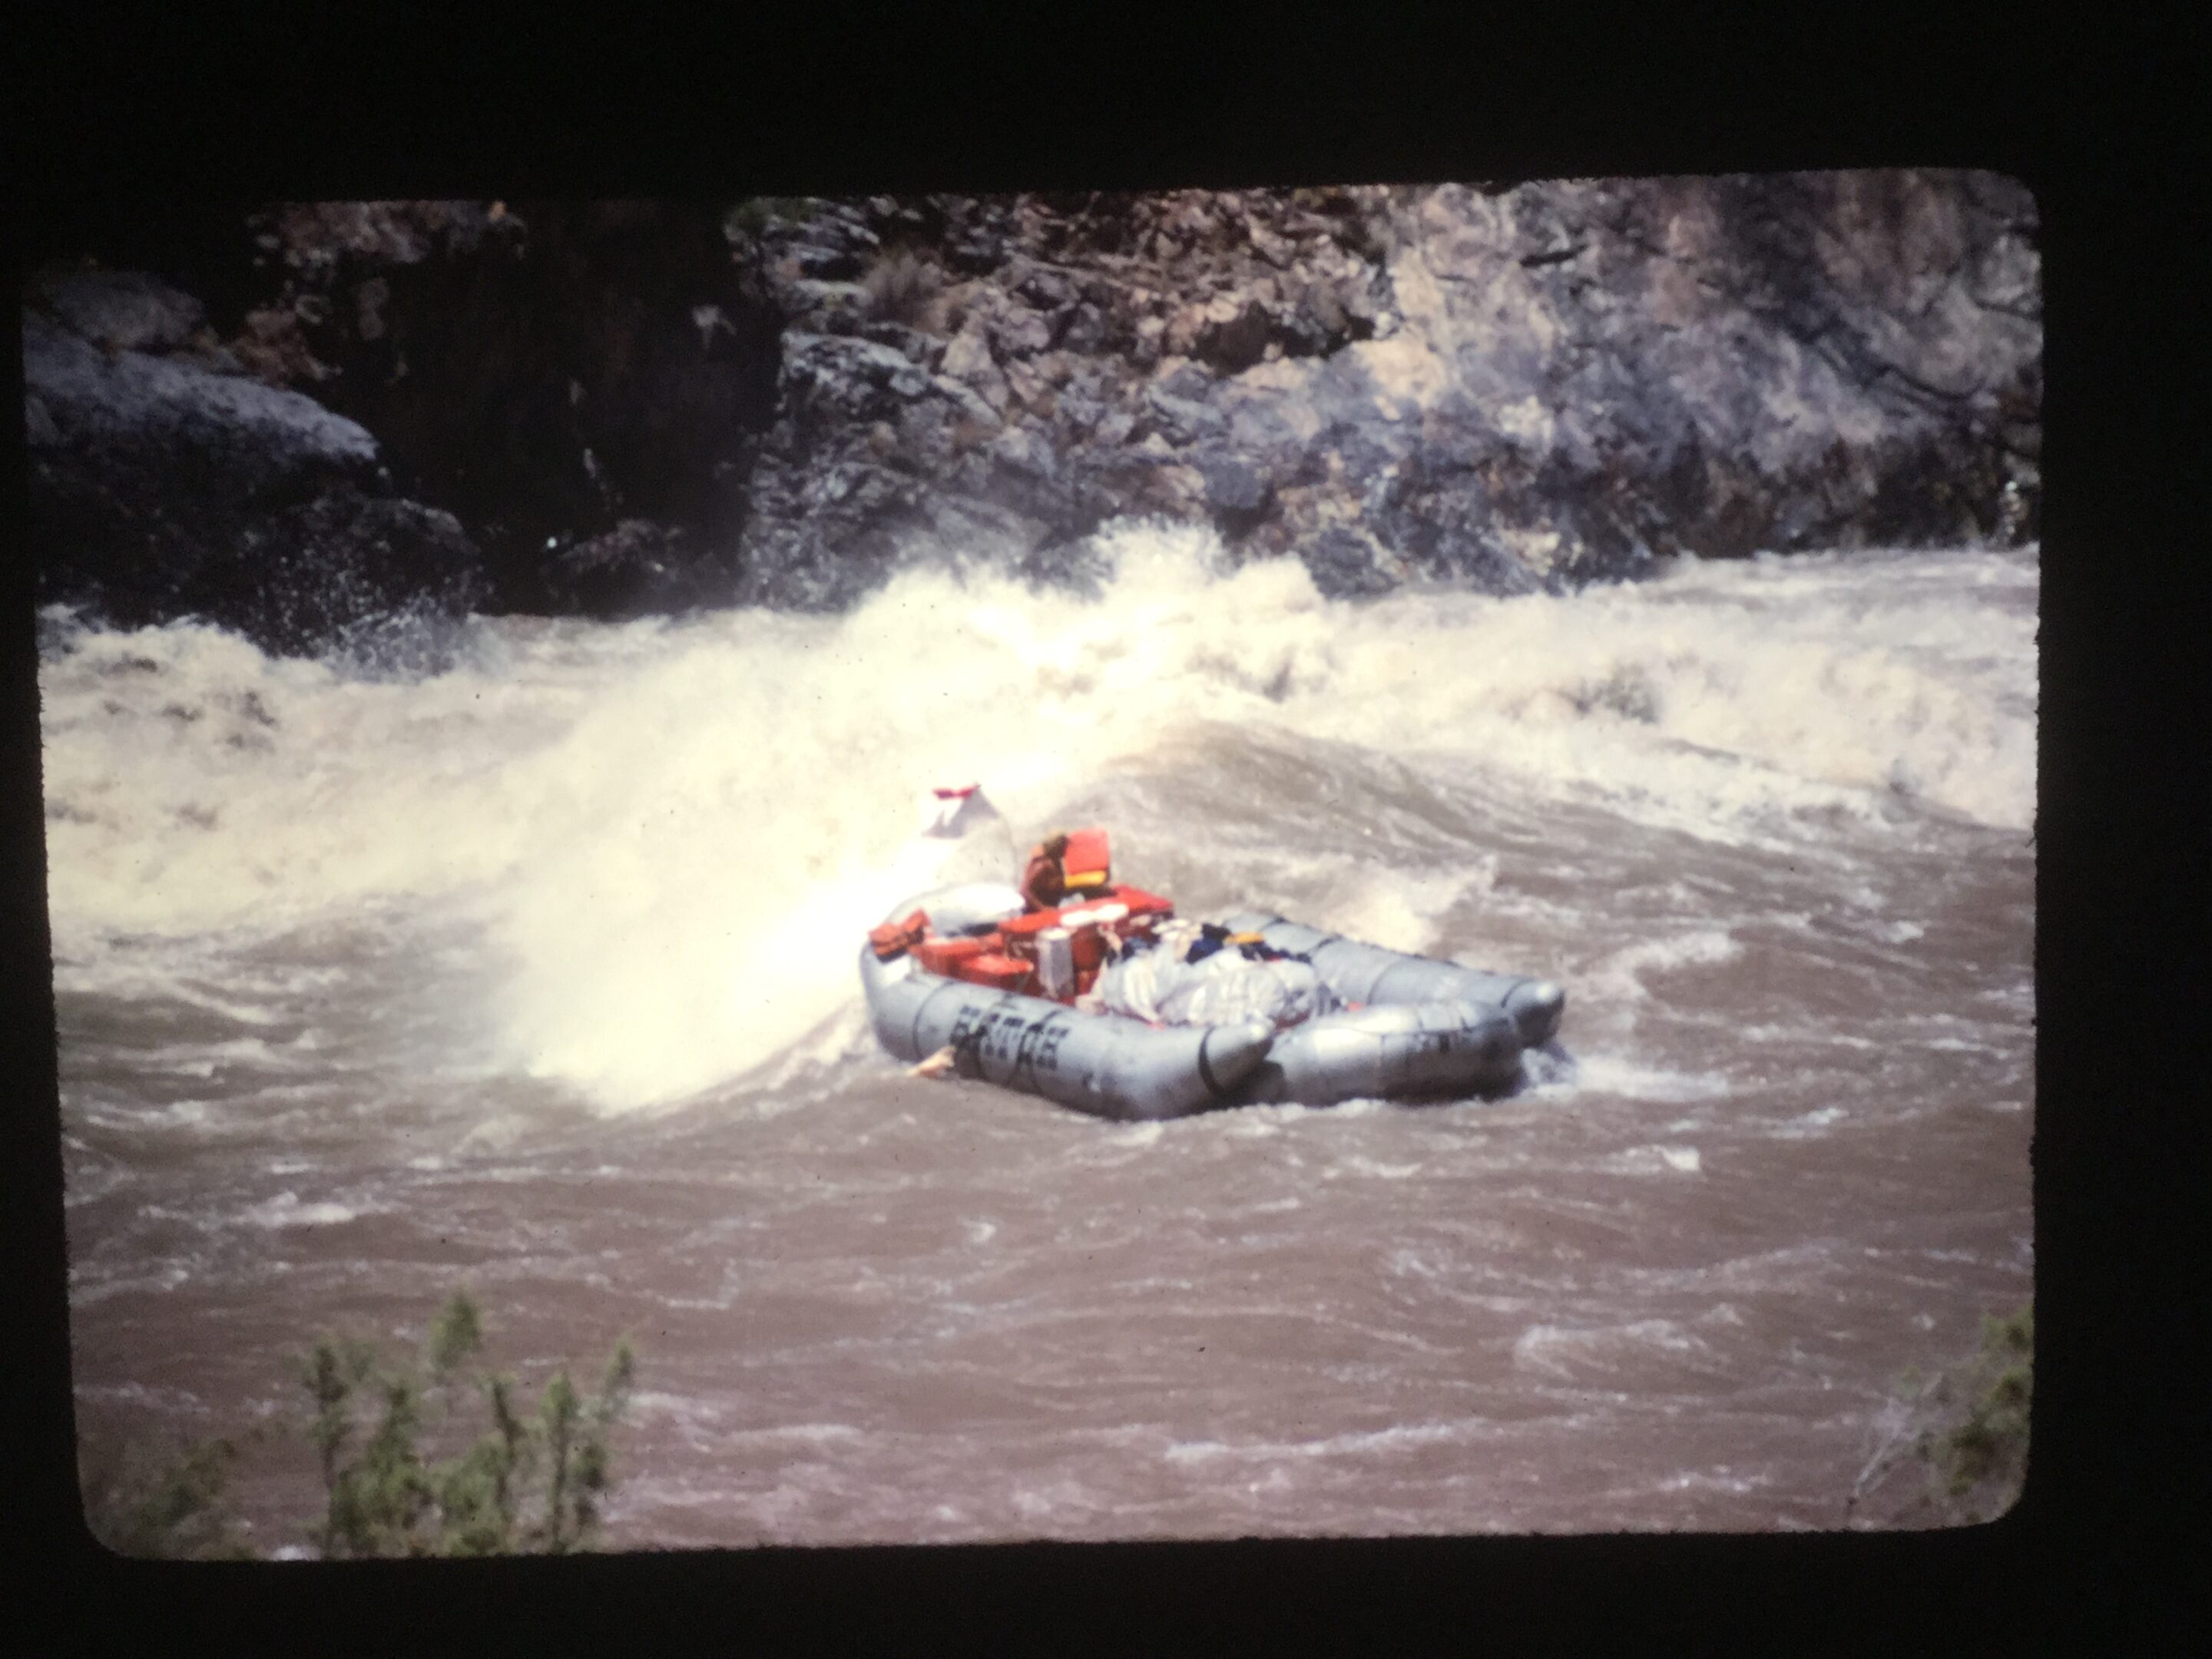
535	975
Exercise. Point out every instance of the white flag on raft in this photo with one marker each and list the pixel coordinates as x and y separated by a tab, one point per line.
965	815
949	814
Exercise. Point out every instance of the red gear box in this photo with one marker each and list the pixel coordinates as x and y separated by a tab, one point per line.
1001	973
945	956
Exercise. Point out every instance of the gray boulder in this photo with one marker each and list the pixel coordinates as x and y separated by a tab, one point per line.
159	490
1236	493
122	310
1345	564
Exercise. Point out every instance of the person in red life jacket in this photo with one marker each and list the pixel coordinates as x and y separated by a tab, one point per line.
1044	883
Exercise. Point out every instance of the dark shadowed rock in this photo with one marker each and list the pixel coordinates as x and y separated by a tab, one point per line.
1236	493
546	370
159	490
1509	388
1077	567
1344	564
637	568
120	310
1234	345
1087	331
639	407
347	572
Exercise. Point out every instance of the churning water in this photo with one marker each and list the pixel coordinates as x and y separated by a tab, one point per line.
537	975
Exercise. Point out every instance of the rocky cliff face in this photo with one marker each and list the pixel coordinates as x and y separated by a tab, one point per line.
1498	388
165	483
554	372
638	407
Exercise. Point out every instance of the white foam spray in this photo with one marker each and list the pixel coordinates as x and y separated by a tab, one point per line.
669	836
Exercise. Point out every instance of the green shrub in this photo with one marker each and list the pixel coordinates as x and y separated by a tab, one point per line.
1966	1429
531	1481
1990	1446
525	1485
176	1510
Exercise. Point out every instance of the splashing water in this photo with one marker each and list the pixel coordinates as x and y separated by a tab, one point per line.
671	834
537	972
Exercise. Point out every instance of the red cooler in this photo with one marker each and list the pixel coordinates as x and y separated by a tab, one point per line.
945	956
999	973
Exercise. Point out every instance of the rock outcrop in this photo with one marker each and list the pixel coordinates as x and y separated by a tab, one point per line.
165	483
990	379
634	408
1497	388
549	370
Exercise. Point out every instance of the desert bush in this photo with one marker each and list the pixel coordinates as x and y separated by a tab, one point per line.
177	1508
900	287
1988	1449
528	1483
1965	1429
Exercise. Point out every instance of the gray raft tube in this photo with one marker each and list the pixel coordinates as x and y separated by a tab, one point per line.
1444	1045
1370	975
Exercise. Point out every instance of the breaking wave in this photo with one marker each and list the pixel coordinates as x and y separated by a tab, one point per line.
664	838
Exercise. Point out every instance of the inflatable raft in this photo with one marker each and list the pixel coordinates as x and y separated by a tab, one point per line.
973	969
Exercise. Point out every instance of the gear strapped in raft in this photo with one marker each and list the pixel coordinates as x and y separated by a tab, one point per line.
1106	1001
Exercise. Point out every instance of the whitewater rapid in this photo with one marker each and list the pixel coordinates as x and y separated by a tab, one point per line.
661	838
535	975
